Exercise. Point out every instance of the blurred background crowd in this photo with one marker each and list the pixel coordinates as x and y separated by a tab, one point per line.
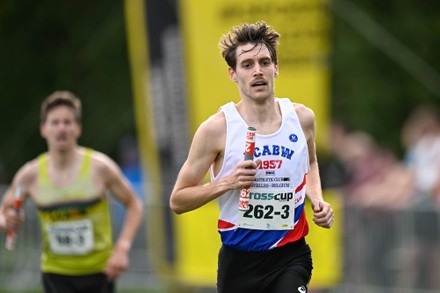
392	203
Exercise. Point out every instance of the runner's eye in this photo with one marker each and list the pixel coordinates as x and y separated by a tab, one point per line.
265	62
247	65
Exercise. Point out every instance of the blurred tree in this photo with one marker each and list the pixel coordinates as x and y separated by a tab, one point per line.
49	45
377	84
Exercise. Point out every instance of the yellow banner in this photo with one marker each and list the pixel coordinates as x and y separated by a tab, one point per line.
137	41
303	52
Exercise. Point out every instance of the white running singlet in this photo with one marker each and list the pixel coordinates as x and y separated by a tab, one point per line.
276	208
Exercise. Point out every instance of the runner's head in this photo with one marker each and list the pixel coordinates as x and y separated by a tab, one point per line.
61	120
61	98
258	33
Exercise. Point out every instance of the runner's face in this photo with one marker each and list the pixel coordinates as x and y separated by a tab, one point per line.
255	72
61	130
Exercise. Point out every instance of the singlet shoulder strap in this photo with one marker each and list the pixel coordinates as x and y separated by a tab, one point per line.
42	167
286	106
87	162
231	114
227	108
84	171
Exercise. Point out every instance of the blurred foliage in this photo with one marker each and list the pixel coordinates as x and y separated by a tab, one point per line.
77	45
370	91
80	45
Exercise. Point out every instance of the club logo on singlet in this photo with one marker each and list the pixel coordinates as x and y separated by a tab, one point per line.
293	137
302	289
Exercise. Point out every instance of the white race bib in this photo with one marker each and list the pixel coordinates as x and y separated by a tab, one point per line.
71	238
268	211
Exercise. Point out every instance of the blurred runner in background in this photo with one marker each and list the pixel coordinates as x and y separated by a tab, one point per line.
70	186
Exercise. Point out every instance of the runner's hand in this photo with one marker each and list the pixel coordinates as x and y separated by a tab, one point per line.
117	263
12	220
322	213
244	174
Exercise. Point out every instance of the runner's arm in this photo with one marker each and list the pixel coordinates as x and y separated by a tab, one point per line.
121	189
323	213
9	218
207	146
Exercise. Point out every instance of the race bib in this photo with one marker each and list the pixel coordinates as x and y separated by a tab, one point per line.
71	238
268	211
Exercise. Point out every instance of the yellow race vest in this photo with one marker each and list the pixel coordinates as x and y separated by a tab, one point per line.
75	223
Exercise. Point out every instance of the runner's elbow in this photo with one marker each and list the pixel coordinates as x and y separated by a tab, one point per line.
175	206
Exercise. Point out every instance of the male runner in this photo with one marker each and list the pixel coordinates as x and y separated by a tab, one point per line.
264	247
71	185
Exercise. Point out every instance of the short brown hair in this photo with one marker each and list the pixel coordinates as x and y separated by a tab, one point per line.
257	33
61	98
